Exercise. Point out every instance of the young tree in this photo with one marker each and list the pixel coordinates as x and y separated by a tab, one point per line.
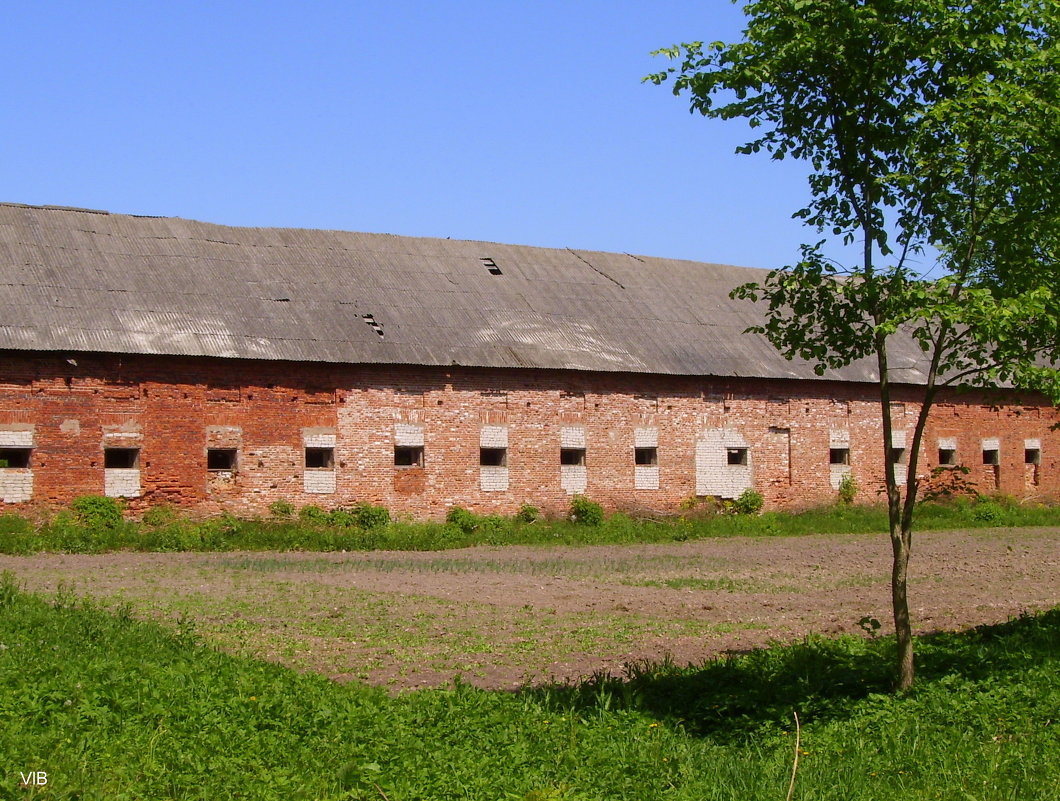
933	131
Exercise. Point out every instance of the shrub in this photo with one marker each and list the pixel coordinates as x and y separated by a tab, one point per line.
750	502
161	515
97	512
988	512
369	517
462	519
848	489
313	515
16	535
528	513
281	509
341	518
586	512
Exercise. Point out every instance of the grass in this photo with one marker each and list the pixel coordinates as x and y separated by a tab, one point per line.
113	708
95	528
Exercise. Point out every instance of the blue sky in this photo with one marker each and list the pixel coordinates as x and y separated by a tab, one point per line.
520	122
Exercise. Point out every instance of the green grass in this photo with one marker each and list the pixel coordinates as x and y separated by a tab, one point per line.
162	529
113	708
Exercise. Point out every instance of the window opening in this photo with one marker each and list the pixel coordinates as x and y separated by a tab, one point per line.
15	457
221	459
1030	456
491	266
646	456
736	456
408	456
121	458
572	456
991	456
493	457
837	456
320	458
947	456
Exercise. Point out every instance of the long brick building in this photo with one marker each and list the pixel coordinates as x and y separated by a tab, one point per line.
170	361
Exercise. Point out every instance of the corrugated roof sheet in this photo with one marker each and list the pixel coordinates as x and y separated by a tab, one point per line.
82	280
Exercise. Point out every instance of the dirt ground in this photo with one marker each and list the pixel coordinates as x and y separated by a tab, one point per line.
505	617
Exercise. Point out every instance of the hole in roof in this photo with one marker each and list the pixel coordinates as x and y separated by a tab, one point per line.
491	265
375	326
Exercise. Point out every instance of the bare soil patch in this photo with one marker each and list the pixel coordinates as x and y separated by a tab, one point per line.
504	617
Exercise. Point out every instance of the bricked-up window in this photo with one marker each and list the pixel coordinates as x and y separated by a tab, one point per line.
572	456
408	456
121	458
736	455
493	457
320	458
991	456
947	456
646	457
221	459
1030	456
14	457
837	456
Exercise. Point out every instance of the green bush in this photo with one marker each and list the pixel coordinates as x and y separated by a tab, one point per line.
161	515
369	517
848	489
281	509
341	518
750	502
586	512
527	513
96	511
313	515
462	519
17	535
988	512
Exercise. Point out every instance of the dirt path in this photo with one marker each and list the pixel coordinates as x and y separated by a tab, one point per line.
501	617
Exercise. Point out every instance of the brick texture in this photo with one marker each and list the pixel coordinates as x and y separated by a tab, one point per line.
175	409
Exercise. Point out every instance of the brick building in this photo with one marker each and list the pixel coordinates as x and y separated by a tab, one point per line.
166	360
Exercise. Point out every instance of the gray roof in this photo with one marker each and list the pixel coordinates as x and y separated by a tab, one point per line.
78	280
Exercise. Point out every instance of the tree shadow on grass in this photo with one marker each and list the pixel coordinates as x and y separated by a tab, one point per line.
735	697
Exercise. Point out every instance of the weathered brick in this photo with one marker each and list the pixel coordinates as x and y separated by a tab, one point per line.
173	409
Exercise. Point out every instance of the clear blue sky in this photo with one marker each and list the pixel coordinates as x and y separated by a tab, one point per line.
521	122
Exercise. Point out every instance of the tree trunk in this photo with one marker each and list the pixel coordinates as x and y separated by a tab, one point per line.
903	628
901	533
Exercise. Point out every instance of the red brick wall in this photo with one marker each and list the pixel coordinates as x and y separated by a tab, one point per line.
173	408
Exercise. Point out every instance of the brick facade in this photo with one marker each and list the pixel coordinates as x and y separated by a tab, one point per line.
216	434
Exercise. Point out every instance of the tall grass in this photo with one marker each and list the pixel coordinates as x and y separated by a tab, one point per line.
113	708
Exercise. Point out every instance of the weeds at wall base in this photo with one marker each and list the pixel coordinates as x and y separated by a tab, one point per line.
96	525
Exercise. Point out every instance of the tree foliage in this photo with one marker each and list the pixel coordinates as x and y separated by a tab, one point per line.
933	131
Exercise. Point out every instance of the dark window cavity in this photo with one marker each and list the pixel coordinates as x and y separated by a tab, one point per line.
897	455
121	458
320	458
1032	456
646	457
947	456
493	457
572	456
408	456
838	456
991	456
15	457
736	456
221	459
